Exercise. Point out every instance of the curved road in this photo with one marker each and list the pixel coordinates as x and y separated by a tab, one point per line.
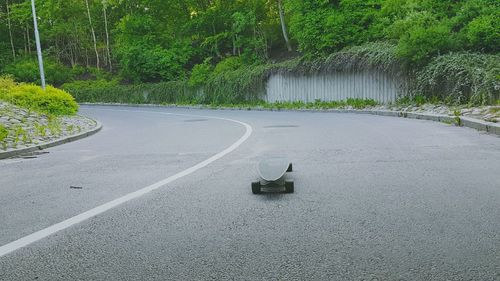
376	198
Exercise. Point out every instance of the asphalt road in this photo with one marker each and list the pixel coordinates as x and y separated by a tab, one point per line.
376	198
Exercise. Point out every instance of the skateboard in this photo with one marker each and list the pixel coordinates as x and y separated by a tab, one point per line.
272	172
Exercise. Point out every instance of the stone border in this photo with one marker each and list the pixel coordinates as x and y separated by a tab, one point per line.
81	135
477	124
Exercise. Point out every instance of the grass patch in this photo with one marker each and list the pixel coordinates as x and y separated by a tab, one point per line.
317	105
55	126
456	118
495	110
419	100
20	135
4	133
40	130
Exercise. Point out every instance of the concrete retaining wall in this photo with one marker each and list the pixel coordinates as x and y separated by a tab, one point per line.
369	84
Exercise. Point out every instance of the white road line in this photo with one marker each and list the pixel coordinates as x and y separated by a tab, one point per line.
41	234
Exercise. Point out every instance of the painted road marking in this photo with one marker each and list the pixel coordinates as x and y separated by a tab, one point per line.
41	234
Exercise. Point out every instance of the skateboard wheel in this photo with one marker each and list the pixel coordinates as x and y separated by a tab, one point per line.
289	188
289	168
256	187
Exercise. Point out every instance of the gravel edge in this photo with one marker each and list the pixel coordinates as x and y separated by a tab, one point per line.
480	125
81	135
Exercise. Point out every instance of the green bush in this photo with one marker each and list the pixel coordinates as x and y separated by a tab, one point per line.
6	84
228	64
107	93
484	33
157	93
237	86
377	55
422	43
153	63
408	21
460	78
200	74
32	97
80	85
89	73
323	27
147	52
26	70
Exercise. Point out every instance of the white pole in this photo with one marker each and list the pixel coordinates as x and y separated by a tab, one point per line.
38	47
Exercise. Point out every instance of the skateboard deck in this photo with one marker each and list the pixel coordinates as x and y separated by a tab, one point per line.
272	175
273	169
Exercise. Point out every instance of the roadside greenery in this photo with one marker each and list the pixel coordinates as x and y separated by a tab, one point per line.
215	52
318	104
26	69
49	101
24	127
461	78
3	133
455	78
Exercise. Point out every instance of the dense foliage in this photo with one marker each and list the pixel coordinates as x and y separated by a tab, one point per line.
461	77
109	92
49	101
26	69
227	47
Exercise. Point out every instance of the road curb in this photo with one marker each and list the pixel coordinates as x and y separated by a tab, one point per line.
81	135
480	125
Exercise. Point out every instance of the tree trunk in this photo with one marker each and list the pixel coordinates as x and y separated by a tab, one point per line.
216	44
107	38
77	47
87	58
234	45
93	35
10	31
25	46
71	59
283	26
58	53
28	36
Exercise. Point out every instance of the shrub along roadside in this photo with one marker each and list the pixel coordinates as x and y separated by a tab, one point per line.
460	78
26	70
455	78
159	93
50	101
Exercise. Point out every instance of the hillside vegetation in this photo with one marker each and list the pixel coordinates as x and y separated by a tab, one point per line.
222	51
